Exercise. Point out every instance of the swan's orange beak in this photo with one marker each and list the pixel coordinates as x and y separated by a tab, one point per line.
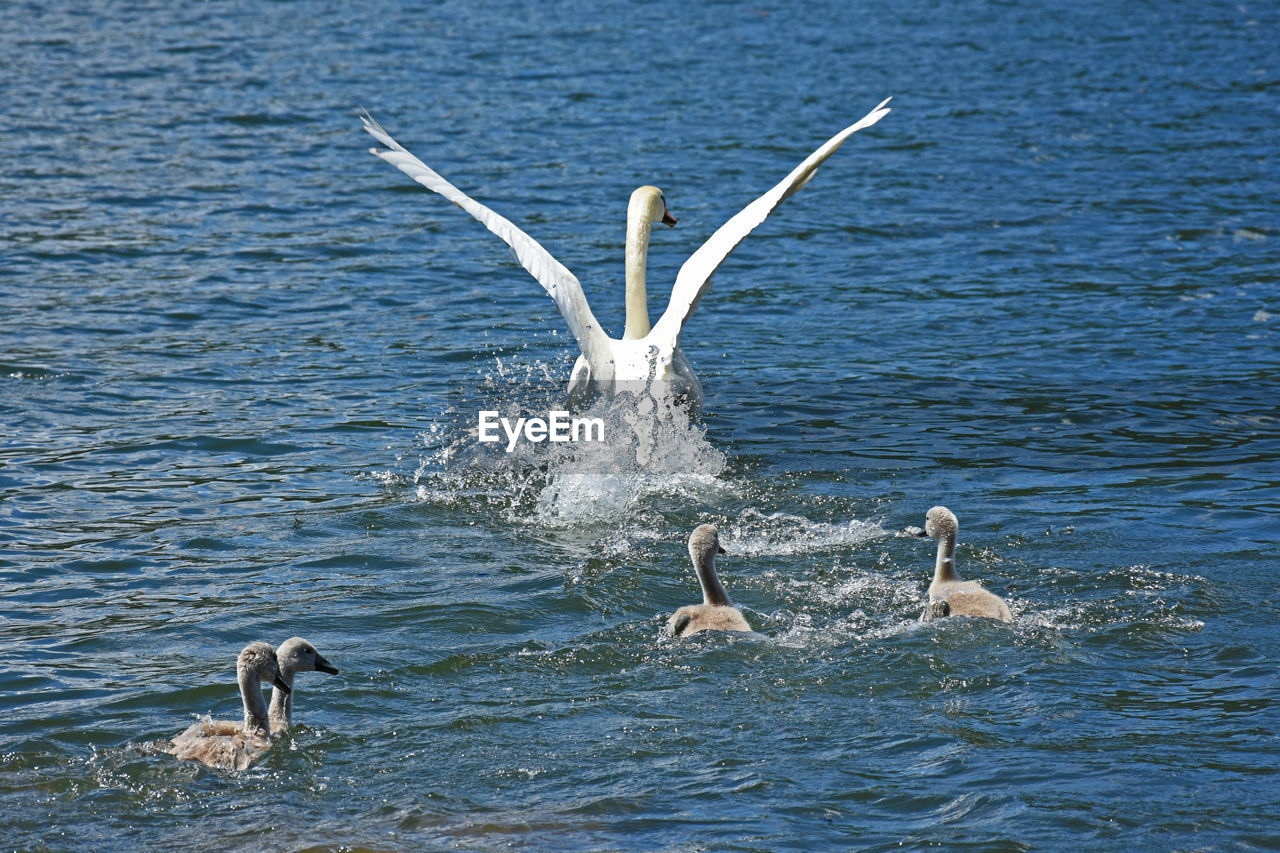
667	219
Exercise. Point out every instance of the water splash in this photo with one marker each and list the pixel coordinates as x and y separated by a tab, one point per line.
651	447
778	534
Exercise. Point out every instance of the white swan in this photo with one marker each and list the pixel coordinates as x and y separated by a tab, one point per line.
948	595
228	745
644	355
715	613
294	655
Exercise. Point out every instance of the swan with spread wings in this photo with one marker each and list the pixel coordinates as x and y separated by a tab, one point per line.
646	356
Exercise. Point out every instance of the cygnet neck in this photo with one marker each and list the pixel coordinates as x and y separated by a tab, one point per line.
713	591
282	702
255	707
945	567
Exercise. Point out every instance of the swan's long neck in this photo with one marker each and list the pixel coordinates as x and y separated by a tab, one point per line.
712	590
255	707
281	702
639	227
945	567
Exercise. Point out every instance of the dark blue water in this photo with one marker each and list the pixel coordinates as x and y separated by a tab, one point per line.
238	356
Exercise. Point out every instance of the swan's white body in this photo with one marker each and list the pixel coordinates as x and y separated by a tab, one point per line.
948	595
228	745
715	613
294	655
644	355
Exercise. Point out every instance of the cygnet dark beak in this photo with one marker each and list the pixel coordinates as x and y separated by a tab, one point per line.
720	549
668	220
279	684
323	665
917	532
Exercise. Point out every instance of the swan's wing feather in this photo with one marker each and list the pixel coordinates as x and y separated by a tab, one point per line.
562	285
695	274
678	622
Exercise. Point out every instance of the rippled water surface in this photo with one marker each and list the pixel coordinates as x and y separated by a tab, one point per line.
239	358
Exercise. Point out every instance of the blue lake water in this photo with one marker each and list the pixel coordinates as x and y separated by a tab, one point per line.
239	357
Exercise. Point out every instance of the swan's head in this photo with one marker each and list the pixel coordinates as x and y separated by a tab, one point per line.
940	522
297	655
649	203
259	661
704	544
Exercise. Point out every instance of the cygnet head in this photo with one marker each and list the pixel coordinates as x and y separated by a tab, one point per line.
259	661
297	655
940	523
651	201
704	544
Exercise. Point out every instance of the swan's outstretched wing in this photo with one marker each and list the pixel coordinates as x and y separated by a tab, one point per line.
561	284
695	275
